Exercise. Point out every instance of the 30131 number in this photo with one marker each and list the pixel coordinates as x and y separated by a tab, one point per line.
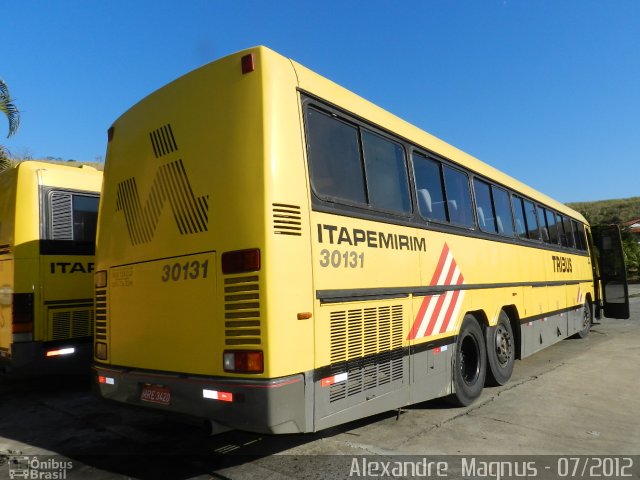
338	259
185	271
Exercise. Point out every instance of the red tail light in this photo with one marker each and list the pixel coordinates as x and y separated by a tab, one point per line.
22	312
243	361
241	261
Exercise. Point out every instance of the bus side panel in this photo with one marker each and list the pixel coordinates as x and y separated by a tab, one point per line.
289	298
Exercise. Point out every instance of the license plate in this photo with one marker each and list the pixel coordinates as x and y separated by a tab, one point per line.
156	394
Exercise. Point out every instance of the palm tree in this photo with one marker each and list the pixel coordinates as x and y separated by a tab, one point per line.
13	115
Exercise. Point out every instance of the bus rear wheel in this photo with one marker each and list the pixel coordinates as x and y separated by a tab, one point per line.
469	363
501	353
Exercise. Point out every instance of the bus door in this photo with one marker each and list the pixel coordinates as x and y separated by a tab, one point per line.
613	274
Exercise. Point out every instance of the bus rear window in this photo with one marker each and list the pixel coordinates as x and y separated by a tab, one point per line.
72	216
85	217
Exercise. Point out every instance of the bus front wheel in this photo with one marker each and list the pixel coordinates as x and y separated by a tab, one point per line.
501	352
587	321
469	363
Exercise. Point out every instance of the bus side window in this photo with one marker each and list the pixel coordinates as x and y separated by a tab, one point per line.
483	206
518	213
544	230
532	222
334	156
458	197
502	207
552	225
576	235
582	235
386	172
428	177
568	232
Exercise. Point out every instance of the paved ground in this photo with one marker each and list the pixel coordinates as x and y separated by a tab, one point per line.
579	397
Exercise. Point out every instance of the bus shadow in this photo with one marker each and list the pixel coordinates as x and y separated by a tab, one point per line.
62	416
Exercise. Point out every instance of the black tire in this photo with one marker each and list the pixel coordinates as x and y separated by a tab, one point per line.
587	321
469	363
501	351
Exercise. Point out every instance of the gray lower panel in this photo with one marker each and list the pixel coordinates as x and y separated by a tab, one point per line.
431	373
263	406
544	332
369	386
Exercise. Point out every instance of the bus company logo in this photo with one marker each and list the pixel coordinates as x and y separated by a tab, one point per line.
170	184
437	313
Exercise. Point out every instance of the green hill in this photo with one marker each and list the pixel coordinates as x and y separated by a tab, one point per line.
609	211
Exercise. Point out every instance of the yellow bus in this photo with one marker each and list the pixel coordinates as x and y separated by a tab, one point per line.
277	254
48	217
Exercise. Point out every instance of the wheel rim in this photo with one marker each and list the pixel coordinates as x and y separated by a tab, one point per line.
469	360
503	345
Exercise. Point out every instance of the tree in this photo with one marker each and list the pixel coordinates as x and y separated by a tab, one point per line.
13	115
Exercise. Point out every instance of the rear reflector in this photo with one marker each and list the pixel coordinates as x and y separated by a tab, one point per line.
216	395
106	380
241	261
61	351
248	63
328	381
243	361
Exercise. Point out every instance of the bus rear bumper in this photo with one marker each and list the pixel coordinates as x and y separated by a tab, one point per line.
262	406
57	357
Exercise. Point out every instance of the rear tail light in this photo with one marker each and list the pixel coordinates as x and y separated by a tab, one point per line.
22	312
101	350
241	261
243	361
100	279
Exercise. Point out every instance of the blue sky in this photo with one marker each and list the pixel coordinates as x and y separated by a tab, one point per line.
547	90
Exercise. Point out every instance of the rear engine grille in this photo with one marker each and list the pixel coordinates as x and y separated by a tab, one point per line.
367	345
242	311
287	219
73	323
364	332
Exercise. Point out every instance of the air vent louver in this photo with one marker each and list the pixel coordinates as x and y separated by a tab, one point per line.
287	219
